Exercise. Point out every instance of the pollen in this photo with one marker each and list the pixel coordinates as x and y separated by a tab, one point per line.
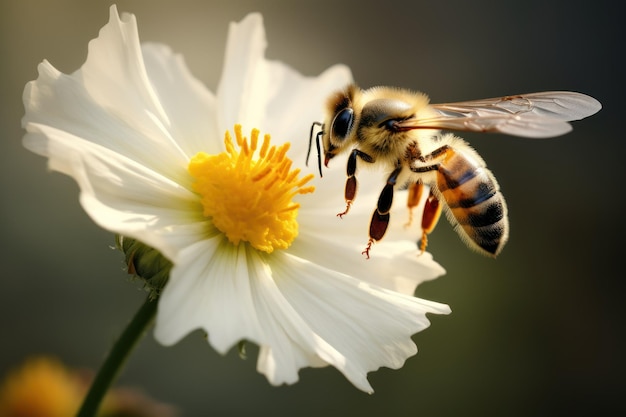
247	191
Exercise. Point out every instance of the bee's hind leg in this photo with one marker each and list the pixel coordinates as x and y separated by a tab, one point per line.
432	206
430	217
415	192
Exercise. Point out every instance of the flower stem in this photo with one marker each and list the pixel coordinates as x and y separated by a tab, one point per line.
117	357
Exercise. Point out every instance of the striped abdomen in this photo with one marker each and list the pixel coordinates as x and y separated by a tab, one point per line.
475	205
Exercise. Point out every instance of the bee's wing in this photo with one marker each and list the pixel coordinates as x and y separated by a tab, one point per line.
534	115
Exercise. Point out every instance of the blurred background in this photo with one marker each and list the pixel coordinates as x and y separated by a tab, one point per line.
539	331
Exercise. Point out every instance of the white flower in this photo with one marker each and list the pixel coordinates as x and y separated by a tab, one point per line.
129	125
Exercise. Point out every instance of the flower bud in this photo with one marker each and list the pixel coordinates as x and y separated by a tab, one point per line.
146	263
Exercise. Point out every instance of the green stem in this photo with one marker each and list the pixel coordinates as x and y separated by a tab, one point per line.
117	357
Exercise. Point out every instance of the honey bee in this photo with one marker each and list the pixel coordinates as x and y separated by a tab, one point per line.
400	130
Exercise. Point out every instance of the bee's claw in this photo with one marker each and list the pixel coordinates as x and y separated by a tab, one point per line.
366	252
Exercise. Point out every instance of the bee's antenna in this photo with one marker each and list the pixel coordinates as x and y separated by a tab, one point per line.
317	145
319	153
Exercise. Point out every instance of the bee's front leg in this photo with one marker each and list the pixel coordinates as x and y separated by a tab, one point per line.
380	217
351	183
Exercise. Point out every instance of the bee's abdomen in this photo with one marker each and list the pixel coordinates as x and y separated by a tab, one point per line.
474	201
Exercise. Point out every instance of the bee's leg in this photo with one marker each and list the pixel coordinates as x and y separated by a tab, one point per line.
380	217
432	207
430	217
351	184
416	190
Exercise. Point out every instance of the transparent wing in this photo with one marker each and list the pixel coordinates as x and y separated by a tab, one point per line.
534	115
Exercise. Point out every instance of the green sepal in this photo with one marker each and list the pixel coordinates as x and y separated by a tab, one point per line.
241	347
146	263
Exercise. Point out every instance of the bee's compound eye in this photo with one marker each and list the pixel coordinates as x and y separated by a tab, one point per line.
342	124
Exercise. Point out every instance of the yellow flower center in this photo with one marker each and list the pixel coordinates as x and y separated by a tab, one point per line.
250	198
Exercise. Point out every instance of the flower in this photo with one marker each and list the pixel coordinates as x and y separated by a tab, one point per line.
44	387
144	141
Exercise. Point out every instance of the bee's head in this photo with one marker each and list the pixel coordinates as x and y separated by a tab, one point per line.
337	131
340	123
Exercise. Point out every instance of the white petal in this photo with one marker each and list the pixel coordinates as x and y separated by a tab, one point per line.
270	95
111	101
209	288
299	313
351	325
395	265
114	74
294	102
190	106
125	197
243	71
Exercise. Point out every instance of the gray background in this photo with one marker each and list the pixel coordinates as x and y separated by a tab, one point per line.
540	331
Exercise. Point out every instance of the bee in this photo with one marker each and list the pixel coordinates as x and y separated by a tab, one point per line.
401	131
